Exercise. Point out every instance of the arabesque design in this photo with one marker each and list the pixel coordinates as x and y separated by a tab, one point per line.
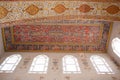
85	36
73	9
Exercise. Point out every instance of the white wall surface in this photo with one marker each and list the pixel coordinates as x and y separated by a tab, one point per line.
88	72
115	33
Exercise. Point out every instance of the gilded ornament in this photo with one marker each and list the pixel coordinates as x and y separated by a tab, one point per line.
84	8
113	9
32	9
60	8
3	12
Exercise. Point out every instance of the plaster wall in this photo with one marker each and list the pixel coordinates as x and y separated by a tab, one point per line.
54	72
115	33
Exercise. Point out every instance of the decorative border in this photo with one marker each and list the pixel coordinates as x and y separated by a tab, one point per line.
108	41
23	21
58	10
105	23
3	37
69	0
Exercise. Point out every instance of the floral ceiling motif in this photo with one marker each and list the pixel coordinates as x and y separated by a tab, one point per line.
58	35
82	9
27	15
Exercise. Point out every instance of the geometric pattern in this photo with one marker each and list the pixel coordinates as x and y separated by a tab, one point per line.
67	35
32	9
59	8
3	12
74	9
84	8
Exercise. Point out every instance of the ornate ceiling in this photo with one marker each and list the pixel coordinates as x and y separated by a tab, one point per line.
58	35
12	11
54	25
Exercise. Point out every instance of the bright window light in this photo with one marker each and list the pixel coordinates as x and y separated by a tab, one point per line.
10	63
70	65
116	46
39	64
101	65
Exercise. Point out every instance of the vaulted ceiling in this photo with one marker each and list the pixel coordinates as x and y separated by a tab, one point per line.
75	25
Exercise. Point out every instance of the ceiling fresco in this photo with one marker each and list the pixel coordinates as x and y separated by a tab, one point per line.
50	34
58	35
12	11
54	25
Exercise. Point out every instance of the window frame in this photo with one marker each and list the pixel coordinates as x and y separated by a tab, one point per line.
35	63
114	42
7	62
65	64
101	64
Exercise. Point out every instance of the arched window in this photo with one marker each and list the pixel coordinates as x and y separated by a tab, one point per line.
10	63
100	65
116	46
70	64
39	64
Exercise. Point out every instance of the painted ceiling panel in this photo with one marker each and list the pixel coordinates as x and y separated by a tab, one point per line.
12	11
58	35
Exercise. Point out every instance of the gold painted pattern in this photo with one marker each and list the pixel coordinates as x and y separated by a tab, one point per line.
31	10
71	0
113	9
84	8
59	8
3	12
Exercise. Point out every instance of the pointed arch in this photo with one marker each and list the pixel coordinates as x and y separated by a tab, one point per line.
10	63
39	64
100	65
70	64
116	46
